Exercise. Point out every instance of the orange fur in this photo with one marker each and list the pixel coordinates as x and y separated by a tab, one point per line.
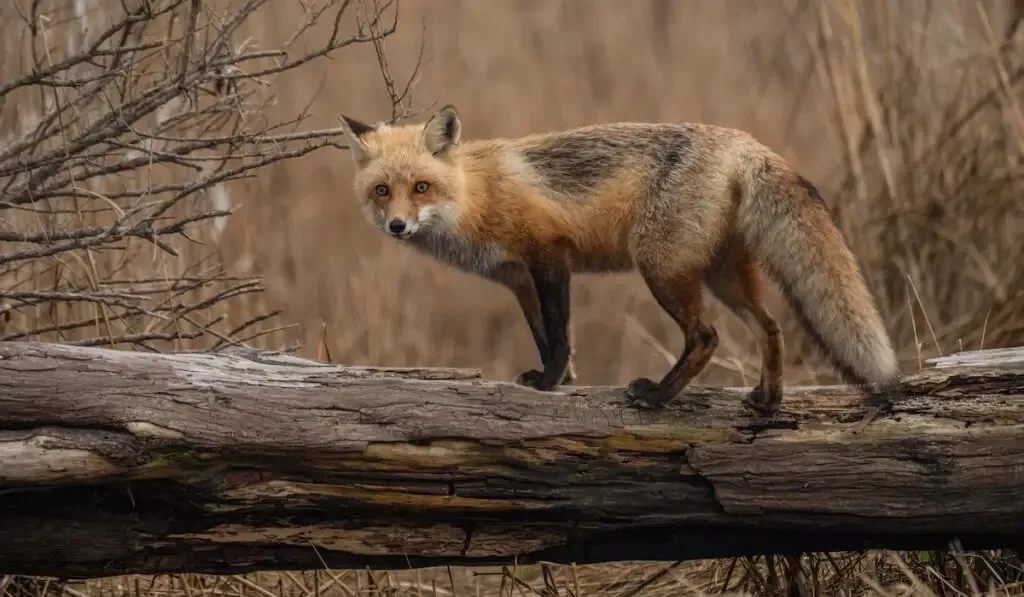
685	205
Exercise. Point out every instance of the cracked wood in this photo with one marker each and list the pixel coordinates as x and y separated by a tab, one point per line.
115	462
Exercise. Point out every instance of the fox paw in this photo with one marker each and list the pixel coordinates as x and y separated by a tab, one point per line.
764	404
570	376
533	379
645	393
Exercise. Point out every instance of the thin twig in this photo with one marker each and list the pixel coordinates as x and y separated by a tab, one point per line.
106	236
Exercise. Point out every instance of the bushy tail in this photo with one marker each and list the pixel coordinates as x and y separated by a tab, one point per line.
785	220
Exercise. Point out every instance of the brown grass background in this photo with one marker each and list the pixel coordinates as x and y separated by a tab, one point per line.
942	249
907	115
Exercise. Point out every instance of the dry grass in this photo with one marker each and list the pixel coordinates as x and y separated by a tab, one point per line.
910	133
879	574
907	115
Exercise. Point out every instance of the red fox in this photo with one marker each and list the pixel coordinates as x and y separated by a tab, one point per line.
685	205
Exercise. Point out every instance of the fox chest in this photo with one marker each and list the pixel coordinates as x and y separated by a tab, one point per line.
482	259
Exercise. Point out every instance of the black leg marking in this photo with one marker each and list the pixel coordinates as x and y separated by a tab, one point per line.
552	283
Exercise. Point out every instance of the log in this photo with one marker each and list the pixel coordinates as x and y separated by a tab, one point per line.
116	462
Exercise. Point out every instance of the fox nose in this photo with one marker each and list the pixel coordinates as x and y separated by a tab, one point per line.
396	226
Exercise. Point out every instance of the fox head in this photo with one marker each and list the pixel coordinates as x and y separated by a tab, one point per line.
406	176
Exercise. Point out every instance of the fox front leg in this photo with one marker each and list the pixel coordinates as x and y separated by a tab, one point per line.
551	282
520	282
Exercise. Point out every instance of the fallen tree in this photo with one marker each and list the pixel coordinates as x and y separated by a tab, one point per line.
117	462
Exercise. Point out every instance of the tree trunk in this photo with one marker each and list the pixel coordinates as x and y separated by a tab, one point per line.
117	462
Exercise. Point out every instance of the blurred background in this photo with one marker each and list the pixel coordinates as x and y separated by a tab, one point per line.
113	184
898	111
907	116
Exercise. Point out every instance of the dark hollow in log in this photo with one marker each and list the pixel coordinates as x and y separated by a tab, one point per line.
118	462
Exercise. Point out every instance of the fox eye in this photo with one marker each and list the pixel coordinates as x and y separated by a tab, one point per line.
382	190
421	187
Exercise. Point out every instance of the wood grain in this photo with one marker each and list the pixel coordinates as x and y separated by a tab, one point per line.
118	462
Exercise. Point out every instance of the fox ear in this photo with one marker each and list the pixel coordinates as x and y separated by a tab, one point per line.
443	130
354	131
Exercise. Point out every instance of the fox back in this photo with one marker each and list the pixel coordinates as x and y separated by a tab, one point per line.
593	191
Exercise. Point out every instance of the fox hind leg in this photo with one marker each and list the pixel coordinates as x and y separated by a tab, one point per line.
737	282
679	294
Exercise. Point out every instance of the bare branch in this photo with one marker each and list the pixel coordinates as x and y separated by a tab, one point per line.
114	180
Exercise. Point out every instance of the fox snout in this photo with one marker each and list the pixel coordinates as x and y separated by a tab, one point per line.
400	227
397	218
400	221
396	226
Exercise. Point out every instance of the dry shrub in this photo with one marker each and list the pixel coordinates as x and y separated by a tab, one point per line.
120	125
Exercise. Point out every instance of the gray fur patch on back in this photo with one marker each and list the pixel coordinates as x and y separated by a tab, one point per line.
573	162
673	149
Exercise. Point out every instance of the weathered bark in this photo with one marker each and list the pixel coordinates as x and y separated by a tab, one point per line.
115	462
